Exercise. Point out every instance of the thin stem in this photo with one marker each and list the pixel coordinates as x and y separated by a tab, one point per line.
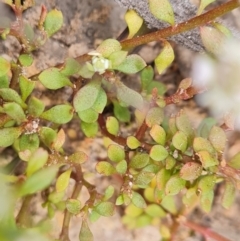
182	27
64	236
24	218
205	231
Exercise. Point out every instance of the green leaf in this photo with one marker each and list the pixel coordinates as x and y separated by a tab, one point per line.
25	60
53	79
133	211
94	216
235	161
140	160
105	209
158	134
53	22
206	184
63	181
71	67
146	77
226	31
162	177
121	167
78	157
4	81
47	135
35	107
73	206
56	197
37	160
59	114
9	135
121	113
170	162
59	141
168	203
162	10
15	111
12	96
161	90
89	129
4	66
117	58
132	64
218	138
207	159
202	144
203	5
133	142
154	116
29	142
115	153
158	153
165	58
112	125
26	87
119	200
174	185
228	195
85	233
180	141
100	102
108	193
38	181
105	168
134	22
87	95
212	39
144	178
183	124
190	171
138	200
206	201
155	211
129	96
88	116
108	46
205	127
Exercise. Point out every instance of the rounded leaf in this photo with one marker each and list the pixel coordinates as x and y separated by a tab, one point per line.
63	181
191	171
218	138
158	134
162	177
202	144
140	160
207	159
29	142
206	184
115	153
158	153
162	10
183	124
134	22
53	79
235	161
121	167
9	135
89	129
105	209
59	114
87	95
35	107
85	233
105	168
133	142
228	195
25	60
154	116
138	200
53	22
108	193
73	206
4	66
121	113
180	141
155	211
174	185
165	58
88	116
132	64
15	111
78	157
146	77
26	87
37	160
108	46
71	67
143	178
112	125
206	201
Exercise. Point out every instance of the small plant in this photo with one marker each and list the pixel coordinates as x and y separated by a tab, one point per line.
163	159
